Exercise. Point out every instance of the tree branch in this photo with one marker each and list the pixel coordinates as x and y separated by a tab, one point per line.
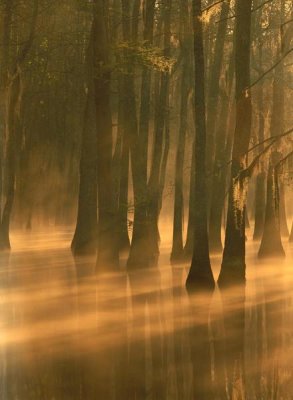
270	69
247	172
252	10
273	138
290	154
213	5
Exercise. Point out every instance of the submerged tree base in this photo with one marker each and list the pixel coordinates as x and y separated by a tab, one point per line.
4	242
177	257
200	278
83	247
4	247
232	272
139	257
271	249
291	234
123	241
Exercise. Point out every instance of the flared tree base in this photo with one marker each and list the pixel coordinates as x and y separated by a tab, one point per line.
124	243
271	244
233	272
188	251
177	257
271	250
200	277
139	257
257	236
4	242
81	247
291	235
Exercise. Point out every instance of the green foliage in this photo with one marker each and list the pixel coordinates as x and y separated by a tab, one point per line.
142	54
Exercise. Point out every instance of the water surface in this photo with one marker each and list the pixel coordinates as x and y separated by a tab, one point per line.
69	334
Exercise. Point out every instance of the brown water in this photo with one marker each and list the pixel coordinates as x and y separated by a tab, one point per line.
67	334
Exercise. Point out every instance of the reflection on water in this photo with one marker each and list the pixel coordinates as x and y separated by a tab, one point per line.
68	334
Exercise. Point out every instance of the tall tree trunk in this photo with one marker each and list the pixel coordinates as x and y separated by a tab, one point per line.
121	153
108	233
261	176
233	263
12	127
222	156
259	205
159	129
188	248
4	68
214	91
281	115
138	253
291	234
12	122
275	221
271	244
277	127
200	274
124	242
85	236
283	213
145	92
219	180
177	246
139	153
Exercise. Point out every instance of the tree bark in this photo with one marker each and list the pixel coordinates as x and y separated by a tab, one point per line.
5	35
138	252
223	151
220	169
177	244
188	248
214	90
233	263
291	234
154	189
85	236
261	176
271	243
121	153
108	234
200	274
12	81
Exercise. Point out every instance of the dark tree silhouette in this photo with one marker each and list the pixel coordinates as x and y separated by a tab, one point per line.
200	274
108	233
233	263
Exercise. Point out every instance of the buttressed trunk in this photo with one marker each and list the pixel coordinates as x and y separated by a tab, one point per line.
85	236
12	126
138	254
222	152
200	274
233	263
107	237
188	248
291	234
177	247
12	91
154	188
271	243
260	179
